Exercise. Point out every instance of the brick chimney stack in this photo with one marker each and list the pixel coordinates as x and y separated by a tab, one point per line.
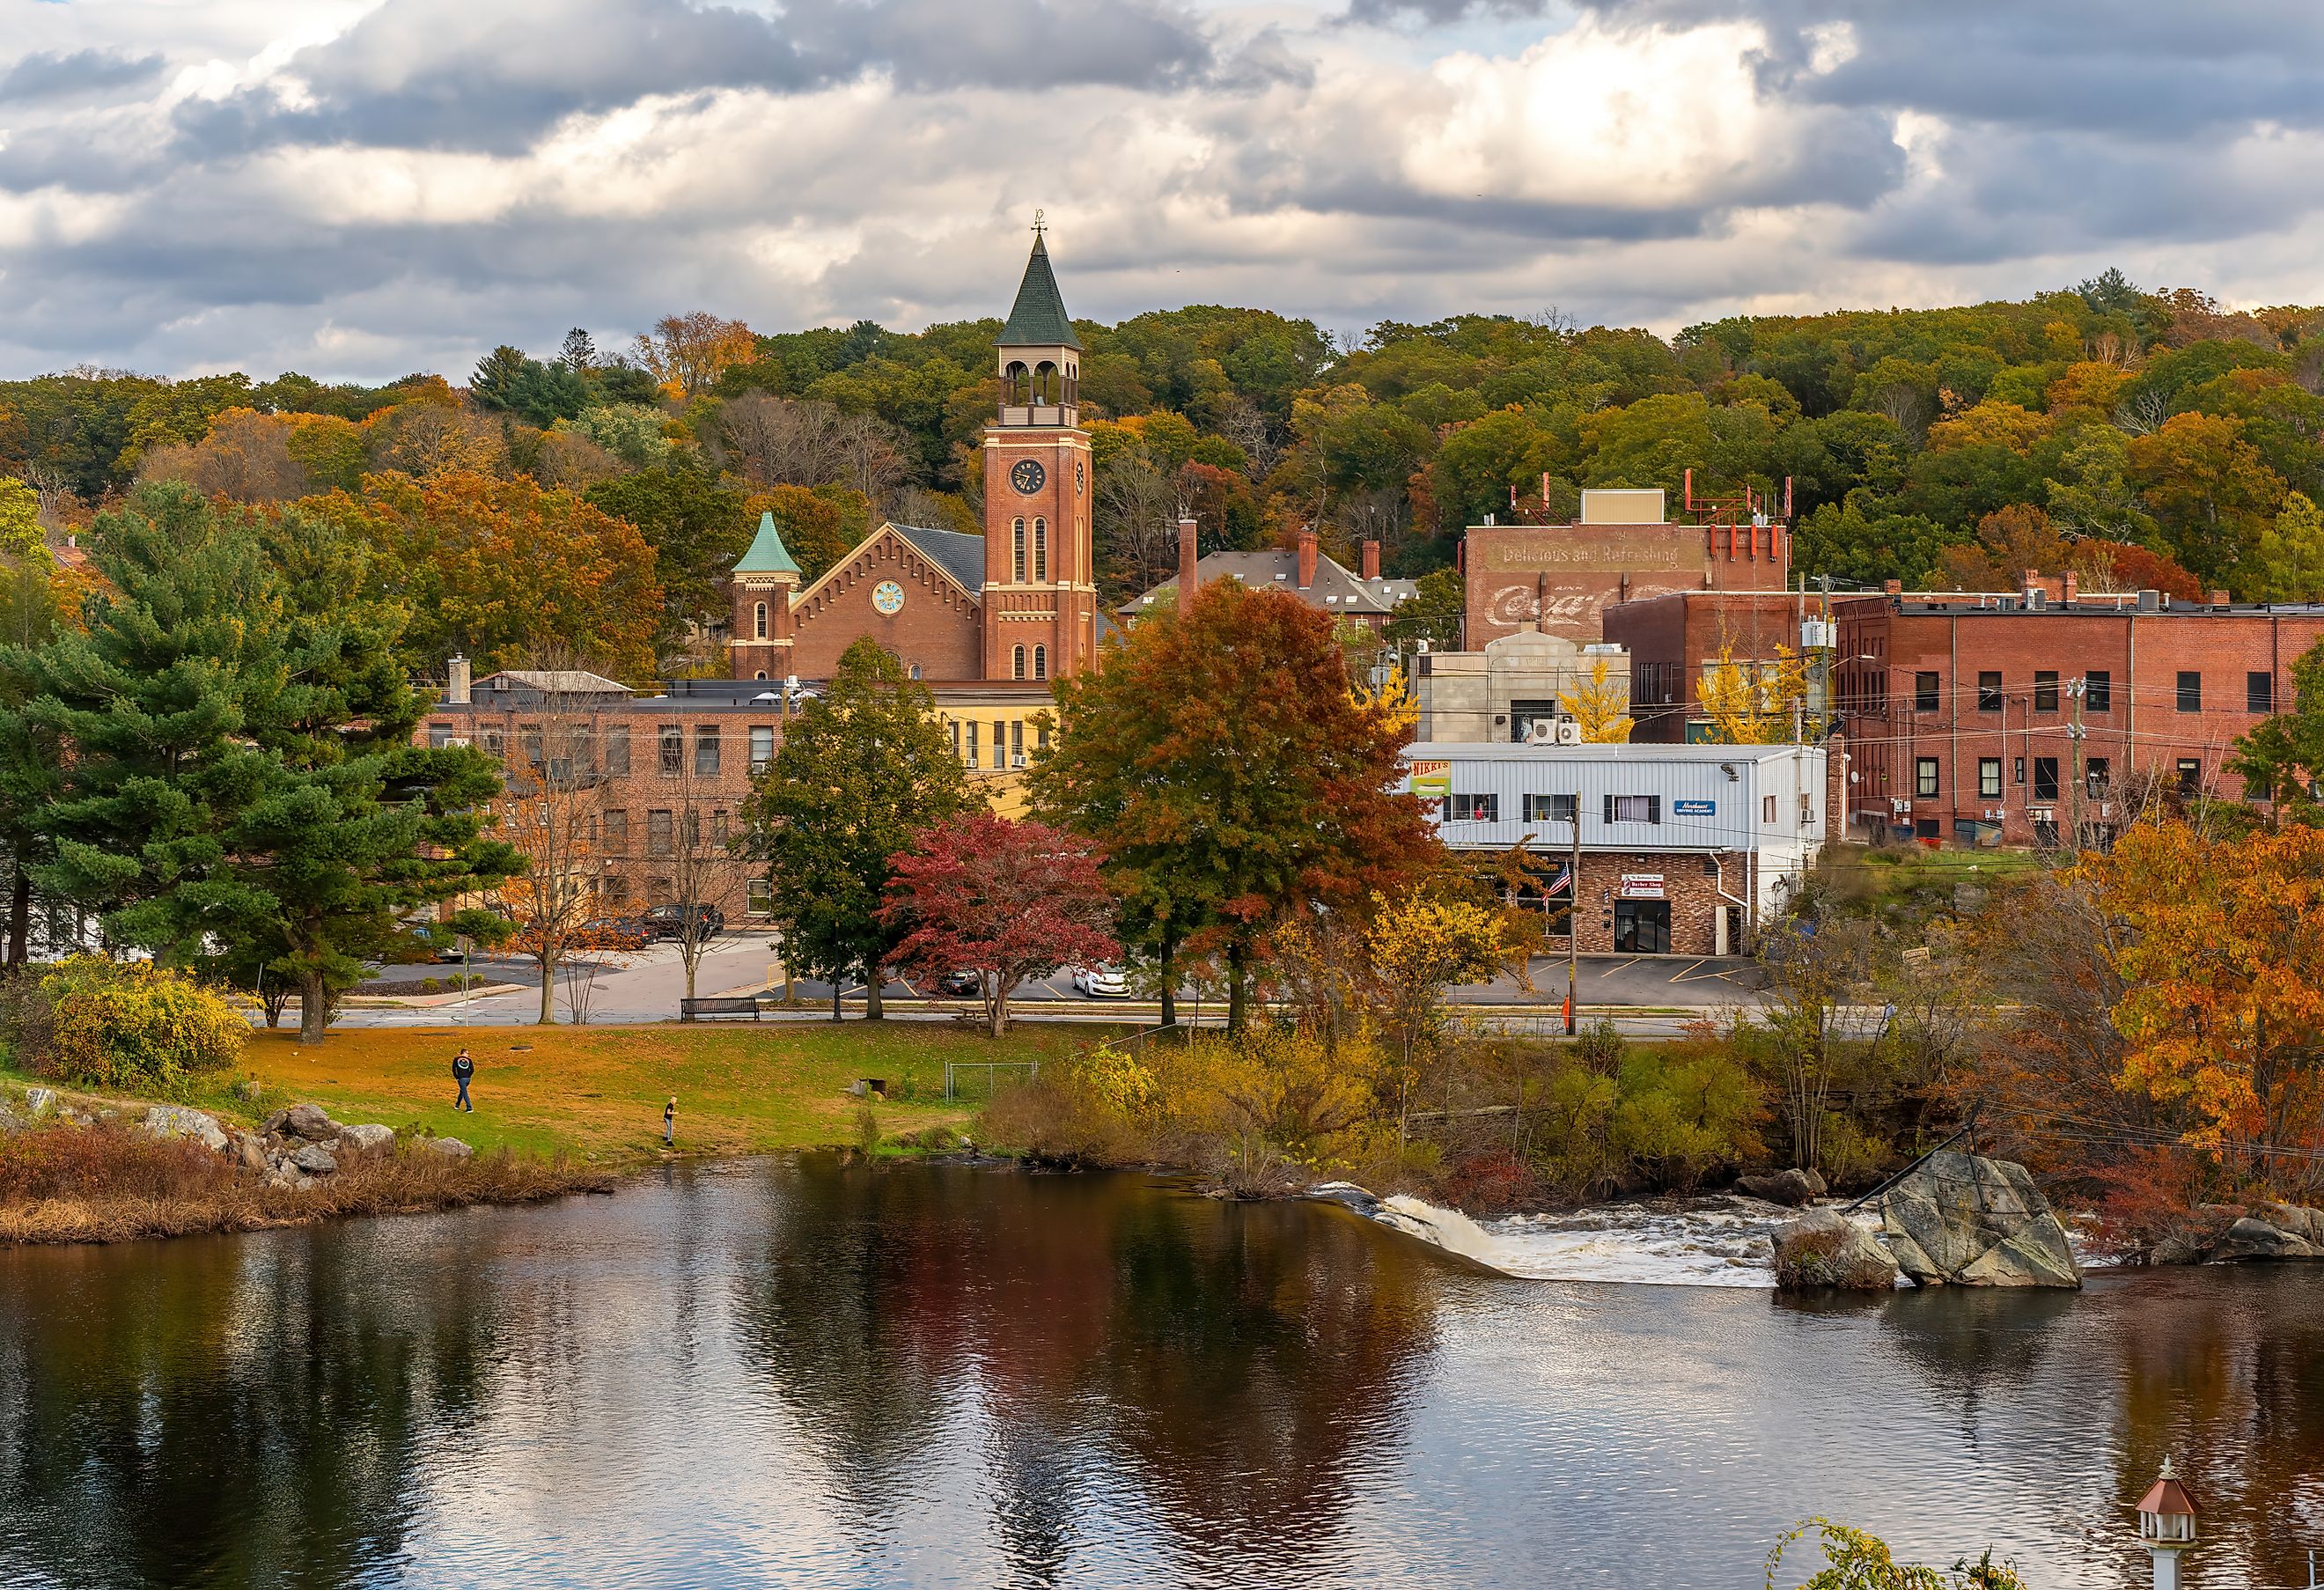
1185	566
1306	558
2067	589
456	677
1371	559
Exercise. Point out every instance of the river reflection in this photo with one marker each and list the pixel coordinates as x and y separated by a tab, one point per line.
830	1374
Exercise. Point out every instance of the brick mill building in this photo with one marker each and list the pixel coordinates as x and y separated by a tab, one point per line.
2009	718
1621	548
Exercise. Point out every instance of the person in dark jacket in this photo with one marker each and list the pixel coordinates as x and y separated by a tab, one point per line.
463	1068
670	1122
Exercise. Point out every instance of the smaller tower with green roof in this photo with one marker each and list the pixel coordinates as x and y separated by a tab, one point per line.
765	582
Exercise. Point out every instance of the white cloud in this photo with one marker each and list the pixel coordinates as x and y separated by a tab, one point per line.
362	189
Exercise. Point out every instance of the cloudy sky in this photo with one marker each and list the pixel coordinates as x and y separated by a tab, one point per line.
360	187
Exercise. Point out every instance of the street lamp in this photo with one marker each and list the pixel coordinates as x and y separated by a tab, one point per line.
2166	1522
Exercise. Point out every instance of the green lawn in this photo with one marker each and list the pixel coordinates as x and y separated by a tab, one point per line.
741	1087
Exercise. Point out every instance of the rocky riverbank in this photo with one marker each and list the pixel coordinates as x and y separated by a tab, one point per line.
77	1169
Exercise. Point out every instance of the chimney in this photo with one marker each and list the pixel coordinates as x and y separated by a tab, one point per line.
1371	559
1185	566
456	683
2218	598
1306	560
1894	587
2067	588
2029	584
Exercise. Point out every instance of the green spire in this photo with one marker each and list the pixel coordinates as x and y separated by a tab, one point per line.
1038	319
768	554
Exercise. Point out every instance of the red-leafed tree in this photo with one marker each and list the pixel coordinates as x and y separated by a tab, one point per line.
1009	901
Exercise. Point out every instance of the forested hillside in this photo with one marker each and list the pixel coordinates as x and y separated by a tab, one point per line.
2144	439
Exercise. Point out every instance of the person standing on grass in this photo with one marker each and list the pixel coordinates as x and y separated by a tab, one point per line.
463	1068
670	1122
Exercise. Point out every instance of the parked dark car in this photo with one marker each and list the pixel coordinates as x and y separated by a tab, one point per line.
616	930
670	921
962	984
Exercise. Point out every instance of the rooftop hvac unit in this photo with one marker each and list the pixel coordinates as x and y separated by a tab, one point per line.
1569	733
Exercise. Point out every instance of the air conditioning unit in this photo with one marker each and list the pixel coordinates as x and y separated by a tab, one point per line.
460	740
1018	760
1569	733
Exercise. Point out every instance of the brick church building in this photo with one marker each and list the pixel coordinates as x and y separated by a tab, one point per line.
1017	603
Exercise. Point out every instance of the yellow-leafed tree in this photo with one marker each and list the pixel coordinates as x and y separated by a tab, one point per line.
1750	704
1599	705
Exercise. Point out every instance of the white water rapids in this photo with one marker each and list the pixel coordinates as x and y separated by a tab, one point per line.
1716	1242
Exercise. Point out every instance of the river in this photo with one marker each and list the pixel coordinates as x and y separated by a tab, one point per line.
814	1373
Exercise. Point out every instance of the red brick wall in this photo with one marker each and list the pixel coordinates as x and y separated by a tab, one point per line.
1681	632
1590	567
2142	728
936	627
1689	885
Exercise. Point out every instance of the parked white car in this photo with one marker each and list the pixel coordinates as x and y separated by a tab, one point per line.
1102	982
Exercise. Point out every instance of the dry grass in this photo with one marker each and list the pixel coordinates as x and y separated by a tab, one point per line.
113	1183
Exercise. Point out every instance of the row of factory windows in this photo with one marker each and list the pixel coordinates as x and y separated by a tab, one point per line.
1867	690
2098	776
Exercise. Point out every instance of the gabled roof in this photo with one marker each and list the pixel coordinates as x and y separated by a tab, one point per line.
959	556
768	554
1038	318
1335	590
553	681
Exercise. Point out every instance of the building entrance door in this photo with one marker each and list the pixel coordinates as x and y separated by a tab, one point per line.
1642	927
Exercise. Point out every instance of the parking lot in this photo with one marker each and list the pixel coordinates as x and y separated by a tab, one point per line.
646	985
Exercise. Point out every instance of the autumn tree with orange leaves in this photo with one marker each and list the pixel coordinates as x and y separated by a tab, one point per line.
501	570
1235	778
2221	957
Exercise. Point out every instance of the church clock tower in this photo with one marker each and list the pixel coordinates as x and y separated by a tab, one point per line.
1040	575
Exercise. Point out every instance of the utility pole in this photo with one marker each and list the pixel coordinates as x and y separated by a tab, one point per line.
1573	920
2074	731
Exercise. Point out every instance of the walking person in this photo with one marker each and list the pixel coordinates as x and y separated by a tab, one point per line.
670	1122
463	1068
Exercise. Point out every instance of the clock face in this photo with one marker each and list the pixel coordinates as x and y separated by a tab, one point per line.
888	596
1026	476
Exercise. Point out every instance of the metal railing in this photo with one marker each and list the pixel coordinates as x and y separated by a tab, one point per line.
1032	1068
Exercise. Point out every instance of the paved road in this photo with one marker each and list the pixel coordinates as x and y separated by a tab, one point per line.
1649	995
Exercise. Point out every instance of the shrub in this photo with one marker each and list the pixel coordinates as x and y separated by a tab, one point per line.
135	1025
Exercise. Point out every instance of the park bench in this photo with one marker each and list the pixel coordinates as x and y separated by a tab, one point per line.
743	1004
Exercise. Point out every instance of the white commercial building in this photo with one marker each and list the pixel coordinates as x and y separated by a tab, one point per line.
1685	849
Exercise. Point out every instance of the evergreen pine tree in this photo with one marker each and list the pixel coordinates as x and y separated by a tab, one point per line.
240	793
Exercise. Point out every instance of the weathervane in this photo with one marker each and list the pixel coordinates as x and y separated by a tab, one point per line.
1037	222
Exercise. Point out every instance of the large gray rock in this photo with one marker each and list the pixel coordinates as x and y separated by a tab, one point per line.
1964	1220
178	1121
250	1151
39	1101
370	1139
315	1159
2296	1219
309	1122
451	1148
1825	1249
1791	1188
2257	1239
